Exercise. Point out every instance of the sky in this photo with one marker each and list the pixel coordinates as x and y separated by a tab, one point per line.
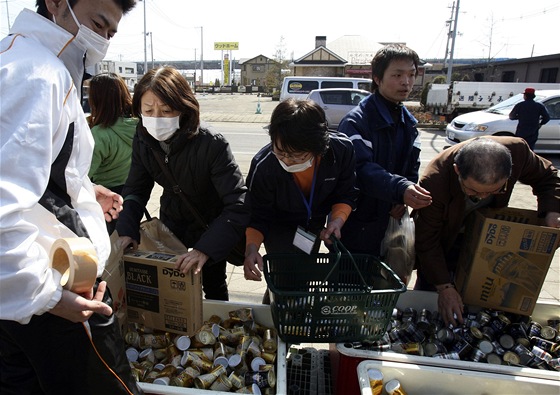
486	28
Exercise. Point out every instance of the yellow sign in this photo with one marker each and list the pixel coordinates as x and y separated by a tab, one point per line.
226	46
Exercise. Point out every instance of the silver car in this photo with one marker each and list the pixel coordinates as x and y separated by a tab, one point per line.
495	121
337	102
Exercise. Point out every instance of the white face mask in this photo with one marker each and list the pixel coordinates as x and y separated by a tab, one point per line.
299	167
95	46
161	128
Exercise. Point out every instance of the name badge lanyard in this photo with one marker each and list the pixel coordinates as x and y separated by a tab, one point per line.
309	203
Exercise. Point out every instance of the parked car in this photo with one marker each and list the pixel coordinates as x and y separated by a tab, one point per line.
495	121
337	102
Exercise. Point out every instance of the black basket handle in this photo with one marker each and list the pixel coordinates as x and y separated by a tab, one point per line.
339	249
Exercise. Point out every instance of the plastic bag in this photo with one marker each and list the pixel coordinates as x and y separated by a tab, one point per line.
397	247
155	236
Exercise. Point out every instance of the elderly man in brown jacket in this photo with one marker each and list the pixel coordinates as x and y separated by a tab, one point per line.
476	173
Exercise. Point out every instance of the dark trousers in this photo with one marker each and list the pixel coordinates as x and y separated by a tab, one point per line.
214	281
452	258
51	355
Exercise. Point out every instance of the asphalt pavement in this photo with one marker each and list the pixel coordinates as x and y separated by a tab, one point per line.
252	108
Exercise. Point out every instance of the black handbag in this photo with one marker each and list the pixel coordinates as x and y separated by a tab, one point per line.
237	254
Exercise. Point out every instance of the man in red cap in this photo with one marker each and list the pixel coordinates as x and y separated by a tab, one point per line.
531	116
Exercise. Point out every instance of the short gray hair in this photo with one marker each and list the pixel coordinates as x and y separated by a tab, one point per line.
484	160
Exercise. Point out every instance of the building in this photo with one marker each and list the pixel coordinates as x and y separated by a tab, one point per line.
535	69
255	71
127	70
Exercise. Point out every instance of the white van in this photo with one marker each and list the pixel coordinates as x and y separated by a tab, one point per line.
299	87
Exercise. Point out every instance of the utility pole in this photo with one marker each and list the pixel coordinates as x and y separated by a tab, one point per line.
450	67
152	48
145	44
201	56
8	15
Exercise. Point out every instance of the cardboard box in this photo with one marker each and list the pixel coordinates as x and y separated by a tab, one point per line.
159	296
346	358
504	259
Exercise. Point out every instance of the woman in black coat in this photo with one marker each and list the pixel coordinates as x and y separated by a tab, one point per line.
202	164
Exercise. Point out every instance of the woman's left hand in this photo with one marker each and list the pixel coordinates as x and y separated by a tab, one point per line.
193	258
111	203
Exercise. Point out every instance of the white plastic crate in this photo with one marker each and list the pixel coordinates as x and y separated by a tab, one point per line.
349	357
433	380
262	315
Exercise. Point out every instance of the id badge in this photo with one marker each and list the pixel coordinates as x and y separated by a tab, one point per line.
304	240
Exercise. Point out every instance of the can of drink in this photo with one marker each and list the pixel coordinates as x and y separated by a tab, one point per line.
446	336
185	378
222	383
511	358
266	379
498	349
256	363
485	346
375	381
132	338
269	357
236	381
250	389
424	321
546	345
182	342
162	380
518	330
147	354
483	318
393	387
414	348
447	355
409	315
541	354
535	329
548	333
132	354
500	323
506	341
477	355
473	335
434	347
494	359
462	347
488	333
270	343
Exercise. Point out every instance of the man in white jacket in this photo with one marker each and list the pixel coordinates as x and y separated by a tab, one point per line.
53	340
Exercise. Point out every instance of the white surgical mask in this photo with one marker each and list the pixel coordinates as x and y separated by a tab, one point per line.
95	46
299	167
161	128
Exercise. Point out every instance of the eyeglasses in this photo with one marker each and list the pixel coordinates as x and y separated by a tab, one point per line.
469	191
294	158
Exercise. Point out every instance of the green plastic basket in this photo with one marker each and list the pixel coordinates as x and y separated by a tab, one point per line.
330	298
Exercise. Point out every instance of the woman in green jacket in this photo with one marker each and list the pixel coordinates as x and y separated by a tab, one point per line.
113	128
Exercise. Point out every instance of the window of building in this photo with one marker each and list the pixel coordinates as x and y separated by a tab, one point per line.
549	75
508	76
258	68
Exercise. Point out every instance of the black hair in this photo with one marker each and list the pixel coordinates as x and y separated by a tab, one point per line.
172	88
126	5
299	126
386	55
484	160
